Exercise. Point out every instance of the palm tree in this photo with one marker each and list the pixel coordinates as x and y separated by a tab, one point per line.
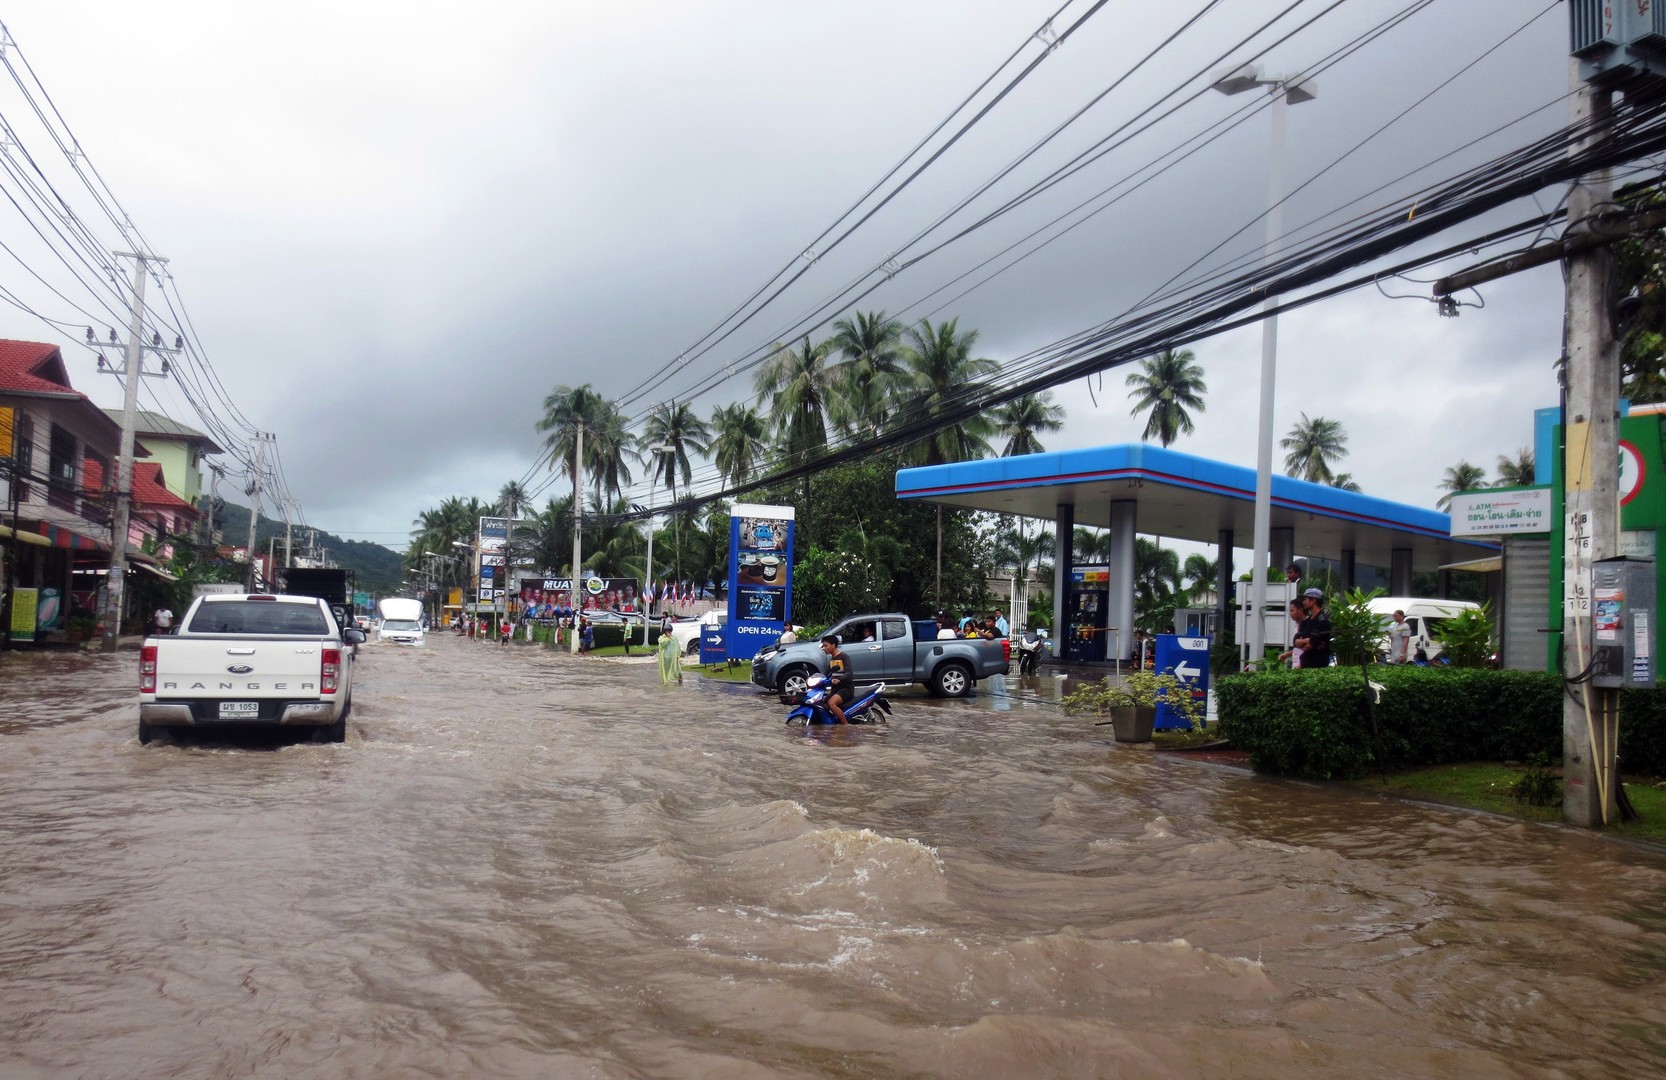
797	384
606	443
1156	581
737	444
940	372
1314	445
546	536
869	372
1199	572
669	433
1345	481
1460	478
1089	546
513	499
1517	473
1166	386
1022	419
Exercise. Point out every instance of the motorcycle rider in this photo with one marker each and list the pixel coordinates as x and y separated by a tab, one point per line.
839	693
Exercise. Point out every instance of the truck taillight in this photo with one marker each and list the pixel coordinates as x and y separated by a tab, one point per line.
331	671
1006	649
147	670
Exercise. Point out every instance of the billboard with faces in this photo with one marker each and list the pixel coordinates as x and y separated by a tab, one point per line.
760	577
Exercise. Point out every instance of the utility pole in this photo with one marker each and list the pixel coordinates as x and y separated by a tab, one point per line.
1590	482
288	534
253	491
132	371
578	525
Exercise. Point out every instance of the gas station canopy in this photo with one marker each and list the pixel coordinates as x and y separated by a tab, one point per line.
1192	498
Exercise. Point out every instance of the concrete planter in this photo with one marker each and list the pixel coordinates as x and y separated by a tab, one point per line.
1133	723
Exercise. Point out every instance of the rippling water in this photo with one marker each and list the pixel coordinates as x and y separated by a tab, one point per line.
529	865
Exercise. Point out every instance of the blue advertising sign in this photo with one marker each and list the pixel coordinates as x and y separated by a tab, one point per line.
760	579
712	649
1188	659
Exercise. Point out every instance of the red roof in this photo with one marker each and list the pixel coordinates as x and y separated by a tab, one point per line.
31	367
148	489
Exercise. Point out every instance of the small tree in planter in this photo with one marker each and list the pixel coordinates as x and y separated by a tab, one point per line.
1130	707
1356	631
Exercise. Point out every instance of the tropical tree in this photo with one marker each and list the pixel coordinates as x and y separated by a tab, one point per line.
1314	445
868	373
668	434
513	499
1517	473
1022	420
737	445
1345	481
1199	573
1090	546
1165	387
940	371
796	386
1156	585
545	537
1460	478
606	443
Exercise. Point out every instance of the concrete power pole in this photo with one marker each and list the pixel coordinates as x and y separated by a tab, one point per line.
254	505
132	372
1590	483
578	535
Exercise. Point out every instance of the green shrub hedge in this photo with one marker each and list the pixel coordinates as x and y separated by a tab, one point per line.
1318	725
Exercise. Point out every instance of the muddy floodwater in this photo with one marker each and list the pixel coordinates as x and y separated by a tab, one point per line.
523	864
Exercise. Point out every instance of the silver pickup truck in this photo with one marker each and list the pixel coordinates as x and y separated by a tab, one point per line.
887	648
250	660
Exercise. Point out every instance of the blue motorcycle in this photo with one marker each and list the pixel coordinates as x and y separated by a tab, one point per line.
870	707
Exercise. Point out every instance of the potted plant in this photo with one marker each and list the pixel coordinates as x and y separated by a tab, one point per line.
1130	706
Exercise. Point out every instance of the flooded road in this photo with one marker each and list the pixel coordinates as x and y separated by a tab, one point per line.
523	864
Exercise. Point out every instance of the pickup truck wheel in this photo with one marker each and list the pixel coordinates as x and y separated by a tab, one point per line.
952	680
146	733
793	680
336	732
693	647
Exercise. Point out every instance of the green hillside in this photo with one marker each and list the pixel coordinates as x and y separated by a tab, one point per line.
376	569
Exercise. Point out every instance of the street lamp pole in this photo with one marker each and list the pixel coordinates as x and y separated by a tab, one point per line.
1286	92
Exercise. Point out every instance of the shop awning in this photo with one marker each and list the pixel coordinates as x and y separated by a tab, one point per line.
156	570
7	533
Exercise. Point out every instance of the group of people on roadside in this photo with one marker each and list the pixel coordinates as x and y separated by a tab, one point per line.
989	627
1311	645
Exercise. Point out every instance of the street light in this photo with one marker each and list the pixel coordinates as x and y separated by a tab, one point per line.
662	448
1286	91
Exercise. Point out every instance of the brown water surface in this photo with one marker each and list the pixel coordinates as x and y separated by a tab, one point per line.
522	864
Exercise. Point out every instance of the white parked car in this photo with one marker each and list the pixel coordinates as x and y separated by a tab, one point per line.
686	632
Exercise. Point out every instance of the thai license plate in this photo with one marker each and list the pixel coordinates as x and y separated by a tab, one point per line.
239	710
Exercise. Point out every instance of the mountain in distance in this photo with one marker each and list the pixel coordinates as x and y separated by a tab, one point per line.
376	569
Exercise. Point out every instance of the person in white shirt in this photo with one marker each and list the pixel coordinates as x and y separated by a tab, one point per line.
163	620
1399	638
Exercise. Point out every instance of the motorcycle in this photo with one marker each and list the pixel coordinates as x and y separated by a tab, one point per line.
1033	647
870	707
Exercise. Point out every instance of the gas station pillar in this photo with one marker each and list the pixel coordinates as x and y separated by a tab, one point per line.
1121	613
1064	529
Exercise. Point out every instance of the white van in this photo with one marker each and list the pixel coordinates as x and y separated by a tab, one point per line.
401	621
1422	615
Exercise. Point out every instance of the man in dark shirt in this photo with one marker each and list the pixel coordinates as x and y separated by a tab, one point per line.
1313	636
838	677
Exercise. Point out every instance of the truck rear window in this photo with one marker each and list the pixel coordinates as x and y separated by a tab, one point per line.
257	617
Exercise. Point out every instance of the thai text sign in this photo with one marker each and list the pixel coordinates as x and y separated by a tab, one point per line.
1489	513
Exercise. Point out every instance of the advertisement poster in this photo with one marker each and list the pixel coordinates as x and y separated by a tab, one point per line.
760	577
544	596
490	573
24	602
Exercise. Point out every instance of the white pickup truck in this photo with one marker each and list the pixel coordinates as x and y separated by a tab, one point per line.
247	660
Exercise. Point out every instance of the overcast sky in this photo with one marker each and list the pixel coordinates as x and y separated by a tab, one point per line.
396	226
